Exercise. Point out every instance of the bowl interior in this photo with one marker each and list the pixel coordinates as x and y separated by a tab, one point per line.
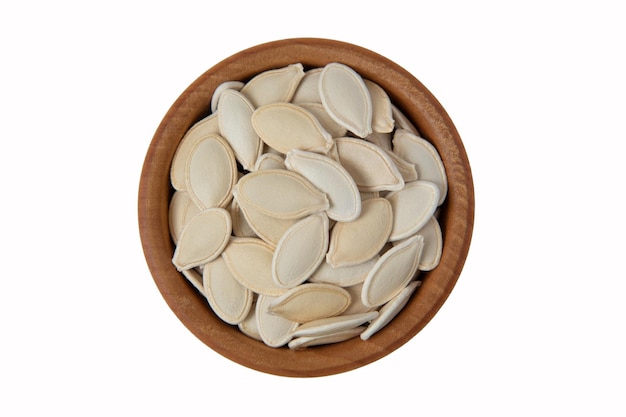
456	214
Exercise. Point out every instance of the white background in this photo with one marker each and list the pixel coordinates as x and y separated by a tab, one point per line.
535	325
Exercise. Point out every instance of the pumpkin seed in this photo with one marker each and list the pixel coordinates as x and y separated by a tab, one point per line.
340	336
424	155
343	276
203	238
310	301
382	117
250	262
356	305
181	209
269	160
370	166
390	310
211	172
275	331
300	251
226	85
331	178
273	85
360	240
382	140
286	126
393	271
406	169
205	127
333	324
230	300
346	98
412	207
308	89
234	114
280	193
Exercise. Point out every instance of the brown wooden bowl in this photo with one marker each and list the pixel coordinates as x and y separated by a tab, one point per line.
456	214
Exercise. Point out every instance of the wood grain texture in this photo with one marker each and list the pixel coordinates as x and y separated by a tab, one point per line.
456	216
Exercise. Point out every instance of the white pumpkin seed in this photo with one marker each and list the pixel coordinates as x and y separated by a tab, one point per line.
327	122
230	300
393	271
370	166
424	155
203	238
211	173
266	227
308	89
331	178
250	262
343	276
366	195
275	331
334	324
307	302
412	207
340	336
382	117
346	98
181	210
280	193
234	114
226	85
358	241
269	160
403	122
300	251
286	126
195	278
205	127
433	245
390	310
273	85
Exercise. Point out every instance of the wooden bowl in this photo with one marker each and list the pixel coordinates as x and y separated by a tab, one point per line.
456	214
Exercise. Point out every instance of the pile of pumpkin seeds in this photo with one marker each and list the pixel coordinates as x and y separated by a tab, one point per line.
304	206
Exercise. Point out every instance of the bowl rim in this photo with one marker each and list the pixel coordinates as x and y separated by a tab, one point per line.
456	217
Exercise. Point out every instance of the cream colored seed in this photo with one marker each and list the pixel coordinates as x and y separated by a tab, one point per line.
249	326
412	207
226	85
205	127
273	86
250	262
211	173
300	251
433	245
286	126
280	193
402	122
382	117
343	276
337	337
332	179
308	89
346	98
331	126
275	331
424	155
203	238
334	324
393	271
241	227
181	210
230	300
308	302
353	243
234	115
370	166
269	160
